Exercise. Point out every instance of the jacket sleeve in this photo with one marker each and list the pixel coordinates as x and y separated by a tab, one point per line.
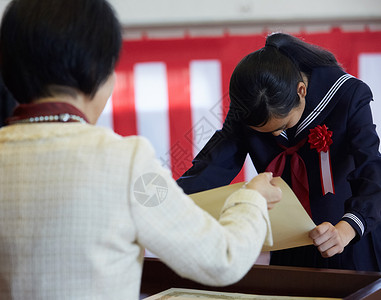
363	209
188	239
219	162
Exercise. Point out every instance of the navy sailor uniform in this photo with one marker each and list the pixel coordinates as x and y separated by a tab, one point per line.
342	103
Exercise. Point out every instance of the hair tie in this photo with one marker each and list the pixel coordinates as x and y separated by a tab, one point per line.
271	45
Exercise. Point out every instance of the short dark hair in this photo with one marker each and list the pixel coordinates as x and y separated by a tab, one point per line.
264	83
53	45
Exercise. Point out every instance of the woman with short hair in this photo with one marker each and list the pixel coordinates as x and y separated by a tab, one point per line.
79	203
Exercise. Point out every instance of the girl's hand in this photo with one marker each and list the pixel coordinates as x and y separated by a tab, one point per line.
331	240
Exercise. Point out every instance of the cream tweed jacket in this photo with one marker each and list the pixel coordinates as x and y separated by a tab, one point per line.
79	204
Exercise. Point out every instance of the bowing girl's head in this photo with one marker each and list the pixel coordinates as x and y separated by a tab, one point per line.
271	83
60	46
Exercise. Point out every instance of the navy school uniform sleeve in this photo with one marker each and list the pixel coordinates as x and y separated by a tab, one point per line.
219	162
363	209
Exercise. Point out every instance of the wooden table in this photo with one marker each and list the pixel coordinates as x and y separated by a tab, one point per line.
274	280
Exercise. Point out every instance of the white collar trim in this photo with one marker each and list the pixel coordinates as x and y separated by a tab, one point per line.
323	103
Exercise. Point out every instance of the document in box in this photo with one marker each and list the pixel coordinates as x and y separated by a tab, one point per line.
189	294
290	223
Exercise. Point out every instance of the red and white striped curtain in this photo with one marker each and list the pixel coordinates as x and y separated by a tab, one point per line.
175	91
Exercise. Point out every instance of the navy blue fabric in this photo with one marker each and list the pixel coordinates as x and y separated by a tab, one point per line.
356	168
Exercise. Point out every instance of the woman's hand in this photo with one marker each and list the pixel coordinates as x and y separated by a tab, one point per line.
331	240
262	184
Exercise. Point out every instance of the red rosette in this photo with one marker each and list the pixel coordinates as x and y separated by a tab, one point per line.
320	138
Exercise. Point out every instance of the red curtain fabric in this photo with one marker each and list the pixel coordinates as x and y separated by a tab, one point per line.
177	55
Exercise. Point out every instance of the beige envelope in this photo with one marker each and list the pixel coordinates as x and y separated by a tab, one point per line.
290	223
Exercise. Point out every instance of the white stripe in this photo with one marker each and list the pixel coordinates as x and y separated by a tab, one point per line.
370	72
106	117
318	109
323	103
356	220
206	100
284	134
151	101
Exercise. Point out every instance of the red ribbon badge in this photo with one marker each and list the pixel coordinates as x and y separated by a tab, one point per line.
320	138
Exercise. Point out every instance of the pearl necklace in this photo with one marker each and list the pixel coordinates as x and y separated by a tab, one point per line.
65	117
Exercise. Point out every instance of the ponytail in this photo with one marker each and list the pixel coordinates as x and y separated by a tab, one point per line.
305	56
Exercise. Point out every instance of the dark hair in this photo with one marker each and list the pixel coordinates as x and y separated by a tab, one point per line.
264	83
7	103
58	46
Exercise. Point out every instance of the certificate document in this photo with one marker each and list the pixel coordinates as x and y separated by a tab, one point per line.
189	294
290	223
